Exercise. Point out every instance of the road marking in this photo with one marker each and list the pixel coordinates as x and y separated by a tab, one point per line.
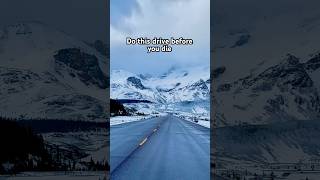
145	139
132	152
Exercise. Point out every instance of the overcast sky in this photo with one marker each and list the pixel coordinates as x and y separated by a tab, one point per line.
154	18
85	19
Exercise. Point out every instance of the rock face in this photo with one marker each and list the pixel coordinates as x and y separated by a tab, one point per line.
216	73
85	66
101	47
136	82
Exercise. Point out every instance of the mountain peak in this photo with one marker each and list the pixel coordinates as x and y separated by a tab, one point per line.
313	64
290	60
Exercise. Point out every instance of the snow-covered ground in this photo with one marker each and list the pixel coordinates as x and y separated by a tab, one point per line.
190	112
98	175
126	119
203	120
271	174
205	123
303	176
85	145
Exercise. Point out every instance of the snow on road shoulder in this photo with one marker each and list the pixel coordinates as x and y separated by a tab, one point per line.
126	119
204	123
202	120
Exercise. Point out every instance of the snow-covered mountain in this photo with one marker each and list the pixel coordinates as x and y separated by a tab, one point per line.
46	73
184	89
265	83
288	90
270	116
250	36
174	86
258	83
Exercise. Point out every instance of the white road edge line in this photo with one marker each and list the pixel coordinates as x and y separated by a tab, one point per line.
145	139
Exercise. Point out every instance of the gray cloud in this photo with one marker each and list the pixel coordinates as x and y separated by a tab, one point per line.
169	18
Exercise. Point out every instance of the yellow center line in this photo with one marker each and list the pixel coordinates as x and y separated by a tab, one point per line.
145	139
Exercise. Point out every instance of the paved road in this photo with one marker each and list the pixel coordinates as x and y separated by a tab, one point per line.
174	149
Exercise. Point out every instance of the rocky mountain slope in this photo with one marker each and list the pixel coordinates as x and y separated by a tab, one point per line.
46	73
288	90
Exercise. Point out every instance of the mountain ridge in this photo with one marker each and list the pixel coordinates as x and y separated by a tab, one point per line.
48	73
285	90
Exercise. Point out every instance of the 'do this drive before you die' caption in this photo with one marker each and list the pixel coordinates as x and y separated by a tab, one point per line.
159	44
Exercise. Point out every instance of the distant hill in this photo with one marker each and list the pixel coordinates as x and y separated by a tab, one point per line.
117	109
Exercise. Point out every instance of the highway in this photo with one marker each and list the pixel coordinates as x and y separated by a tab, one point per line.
162	148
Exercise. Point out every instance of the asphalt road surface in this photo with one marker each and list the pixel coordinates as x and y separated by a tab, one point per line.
163	148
